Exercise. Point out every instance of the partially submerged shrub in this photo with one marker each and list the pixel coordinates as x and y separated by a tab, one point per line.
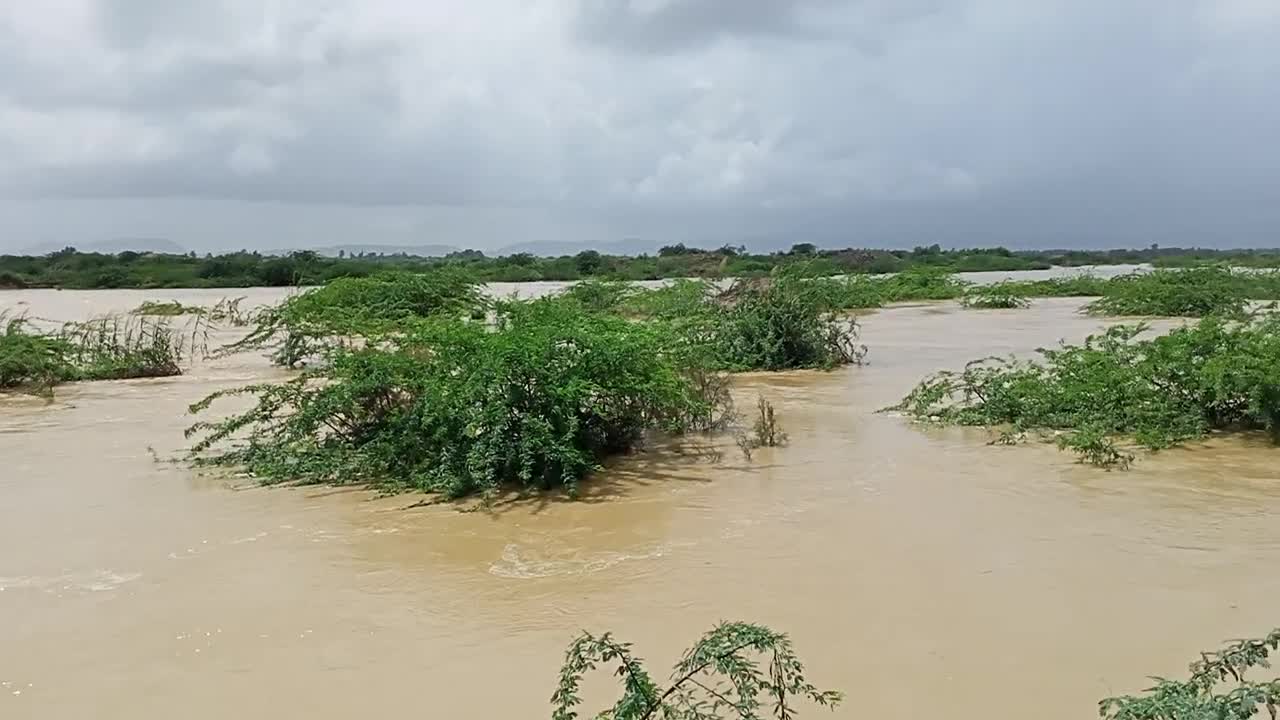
107	348
995	296
784	324
680	299
1219	688
736	670
1195	292
116	348
166	309
765	430
601	295
29	359
305	325
923	284
1094	447
454	407
1159	391
227	311
778	323
1075	285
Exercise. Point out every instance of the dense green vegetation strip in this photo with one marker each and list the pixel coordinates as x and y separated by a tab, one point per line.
71	269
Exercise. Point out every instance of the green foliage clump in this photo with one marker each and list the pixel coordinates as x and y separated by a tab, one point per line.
29	359
783	324
737	670
115	348
778	323
996	296
10	280
1095	447
678	299
1195	292
1218	688
457	408
926	283
600	295
107	348
166	309
349	308
1159	391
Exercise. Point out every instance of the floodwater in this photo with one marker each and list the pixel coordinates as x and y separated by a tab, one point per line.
922	572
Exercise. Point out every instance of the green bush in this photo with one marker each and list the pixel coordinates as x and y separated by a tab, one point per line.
996	296
1076	285
1218	688
1159	391
736	670
108	348
166	309
1195	292
453	407
781	325
924	283
600	295
29	359
114	348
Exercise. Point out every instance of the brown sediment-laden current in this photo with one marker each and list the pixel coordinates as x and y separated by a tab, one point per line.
921	571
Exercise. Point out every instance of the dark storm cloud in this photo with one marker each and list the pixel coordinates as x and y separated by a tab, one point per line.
847	121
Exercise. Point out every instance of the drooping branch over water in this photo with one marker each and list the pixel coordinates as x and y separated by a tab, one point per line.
737	670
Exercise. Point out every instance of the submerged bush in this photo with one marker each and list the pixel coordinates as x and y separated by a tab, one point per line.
107	348
765	430
29	359
1219	688
602	295
1195	292
680	299
166	309
457	408
996	296
1158	391
1076	285
305	325
737	670
779	323
114	348
923	284
225	311
782	325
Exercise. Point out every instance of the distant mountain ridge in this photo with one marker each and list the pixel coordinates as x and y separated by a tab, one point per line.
112	246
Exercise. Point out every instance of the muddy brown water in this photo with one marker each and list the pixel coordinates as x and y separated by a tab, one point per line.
922	572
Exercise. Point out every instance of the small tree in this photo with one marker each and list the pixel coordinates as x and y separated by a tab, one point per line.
719	677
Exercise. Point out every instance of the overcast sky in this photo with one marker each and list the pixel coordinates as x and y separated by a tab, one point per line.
279	123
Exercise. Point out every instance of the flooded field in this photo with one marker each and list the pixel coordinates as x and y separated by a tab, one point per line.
922	572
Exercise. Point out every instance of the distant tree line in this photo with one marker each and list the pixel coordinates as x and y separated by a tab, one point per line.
69	268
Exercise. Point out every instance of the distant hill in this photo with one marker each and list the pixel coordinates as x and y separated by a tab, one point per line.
416	250
112	246
553	248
